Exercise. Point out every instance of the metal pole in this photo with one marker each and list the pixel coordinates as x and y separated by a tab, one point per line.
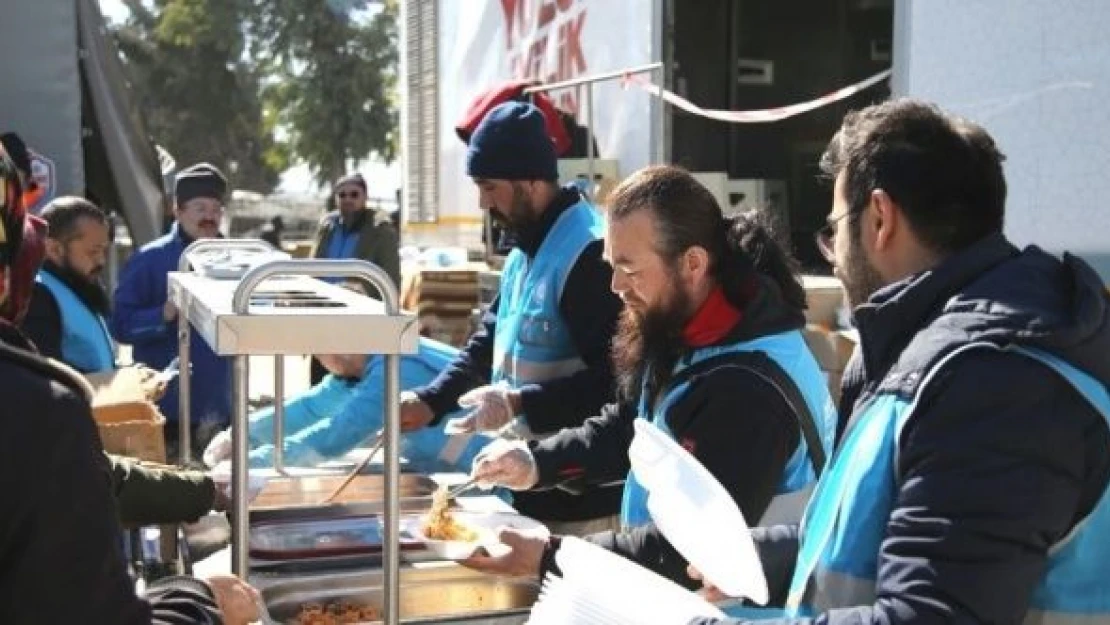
392	553
240	305
573	82
590	136
279	413
659	149
184	384
240	444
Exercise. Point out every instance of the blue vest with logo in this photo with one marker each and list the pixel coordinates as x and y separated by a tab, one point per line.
532	342
846	520
789	351
86	345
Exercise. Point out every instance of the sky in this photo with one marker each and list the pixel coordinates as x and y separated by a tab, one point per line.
383	179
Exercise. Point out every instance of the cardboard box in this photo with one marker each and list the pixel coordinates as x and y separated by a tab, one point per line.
824	299
832	349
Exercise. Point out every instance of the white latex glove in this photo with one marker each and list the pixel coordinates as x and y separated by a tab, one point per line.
219	449
506	463
490	411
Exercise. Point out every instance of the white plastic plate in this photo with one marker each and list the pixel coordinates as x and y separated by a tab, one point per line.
696	514
485	524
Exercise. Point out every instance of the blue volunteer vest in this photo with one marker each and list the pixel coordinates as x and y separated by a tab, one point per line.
86	345
847	517
532	342
789	351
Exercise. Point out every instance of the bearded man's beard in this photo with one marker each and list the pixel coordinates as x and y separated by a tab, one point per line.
647	345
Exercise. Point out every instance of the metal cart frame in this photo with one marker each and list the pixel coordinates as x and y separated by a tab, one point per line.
392	321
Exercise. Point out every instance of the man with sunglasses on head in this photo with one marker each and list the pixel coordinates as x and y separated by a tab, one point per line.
143	316
355	230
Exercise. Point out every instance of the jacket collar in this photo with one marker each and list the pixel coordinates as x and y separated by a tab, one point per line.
894	314
530	240
355	223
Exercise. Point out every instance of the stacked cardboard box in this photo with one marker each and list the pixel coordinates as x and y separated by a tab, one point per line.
444	300
831	346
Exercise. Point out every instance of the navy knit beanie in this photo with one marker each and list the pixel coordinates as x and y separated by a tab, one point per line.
200	180
511	143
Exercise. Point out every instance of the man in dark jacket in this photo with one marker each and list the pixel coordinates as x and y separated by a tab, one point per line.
60	560
67	320
541	360
709	349
143	316
970	485
355	230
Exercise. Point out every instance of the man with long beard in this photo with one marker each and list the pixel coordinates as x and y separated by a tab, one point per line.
67	319
709	349
540	361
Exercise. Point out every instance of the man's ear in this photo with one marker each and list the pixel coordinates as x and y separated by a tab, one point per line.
886	219
54	249
695	263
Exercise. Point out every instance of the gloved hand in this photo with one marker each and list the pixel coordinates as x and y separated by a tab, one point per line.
491	409
219	449
506	463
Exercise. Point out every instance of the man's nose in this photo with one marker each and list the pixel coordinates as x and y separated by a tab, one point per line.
619	283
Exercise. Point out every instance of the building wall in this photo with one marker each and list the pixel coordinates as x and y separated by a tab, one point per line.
1036	74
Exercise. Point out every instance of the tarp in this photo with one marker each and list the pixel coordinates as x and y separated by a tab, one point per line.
133	180
62	88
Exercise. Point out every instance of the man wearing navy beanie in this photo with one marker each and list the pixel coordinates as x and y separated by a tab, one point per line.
541	360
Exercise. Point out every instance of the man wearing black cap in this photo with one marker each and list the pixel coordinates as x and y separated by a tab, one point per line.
541	360
144	317
357	231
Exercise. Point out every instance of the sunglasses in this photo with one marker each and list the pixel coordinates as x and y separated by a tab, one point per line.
348	195
826	237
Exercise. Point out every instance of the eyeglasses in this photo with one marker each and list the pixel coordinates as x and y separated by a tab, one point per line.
825	238
348	195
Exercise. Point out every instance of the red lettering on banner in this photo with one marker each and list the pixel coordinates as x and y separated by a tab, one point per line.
550	48
548	11
513	12
571	46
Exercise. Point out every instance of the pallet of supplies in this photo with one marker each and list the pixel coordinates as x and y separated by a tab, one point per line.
444	300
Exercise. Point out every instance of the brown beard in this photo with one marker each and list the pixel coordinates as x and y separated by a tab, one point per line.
861	279
646	347
91	291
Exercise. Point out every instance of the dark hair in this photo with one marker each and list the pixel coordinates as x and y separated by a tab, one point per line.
688	215
944	172
63	213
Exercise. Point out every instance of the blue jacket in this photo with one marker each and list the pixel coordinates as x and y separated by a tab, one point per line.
137	319
336	415
971	482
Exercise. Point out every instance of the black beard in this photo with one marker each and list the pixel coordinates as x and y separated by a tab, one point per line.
92	293
646	348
